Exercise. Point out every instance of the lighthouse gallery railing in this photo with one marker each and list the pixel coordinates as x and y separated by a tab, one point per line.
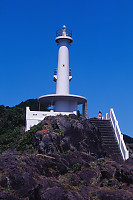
59	33
55	71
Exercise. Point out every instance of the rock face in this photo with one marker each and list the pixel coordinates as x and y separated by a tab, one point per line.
68	133
68	164
69	176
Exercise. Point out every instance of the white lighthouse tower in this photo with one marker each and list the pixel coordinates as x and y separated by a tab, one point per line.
63	102
63	40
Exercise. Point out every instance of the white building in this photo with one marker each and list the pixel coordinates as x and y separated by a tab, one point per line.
63	102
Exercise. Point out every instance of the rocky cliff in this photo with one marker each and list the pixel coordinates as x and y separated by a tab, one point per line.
63	159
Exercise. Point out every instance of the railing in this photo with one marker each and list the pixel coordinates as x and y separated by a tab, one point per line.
119	137
60	33
70	72
55	71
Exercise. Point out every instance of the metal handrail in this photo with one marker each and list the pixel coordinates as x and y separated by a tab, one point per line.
55	72
59	32
119	137
70	72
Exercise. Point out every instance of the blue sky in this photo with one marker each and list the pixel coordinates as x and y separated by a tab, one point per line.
101	55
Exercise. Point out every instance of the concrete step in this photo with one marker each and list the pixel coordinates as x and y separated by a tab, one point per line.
99	120
105	128
95	119
107	136
111	146
101	123
110	142
113	150
111	139
107	131
103	135
114	142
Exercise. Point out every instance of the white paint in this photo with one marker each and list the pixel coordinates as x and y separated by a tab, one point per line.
63	78
34	117
64	97
119	137
55	78
62	84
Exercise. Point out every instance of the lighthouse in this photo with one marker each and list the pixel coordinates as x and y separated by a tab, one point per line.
62	102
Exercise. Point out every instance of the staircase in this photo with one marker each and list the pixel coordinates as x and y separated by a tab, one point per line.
110	144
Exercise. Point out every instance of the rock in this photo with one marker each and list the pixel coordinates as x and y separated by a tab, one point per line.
54	194
86	176
6	196
68	164
72	175
74	180
106	172
112	195
68	133
124	174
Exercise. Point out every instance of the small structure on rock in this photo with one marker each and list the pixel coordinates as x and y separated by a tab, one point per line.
62	102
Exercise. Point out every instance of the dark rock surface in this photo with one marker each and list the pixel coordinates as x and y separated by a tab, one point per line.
68	164
68	133
68	176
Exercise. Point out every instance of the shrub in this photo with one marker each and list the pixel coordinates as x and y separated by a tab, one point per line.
26	141
77	167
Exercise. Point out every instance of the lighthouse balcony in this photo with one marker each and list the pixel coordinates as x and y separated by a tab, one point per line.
55	75
64	33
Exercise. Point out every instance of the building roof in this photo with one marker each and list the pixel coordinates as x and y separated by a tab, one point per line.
52	98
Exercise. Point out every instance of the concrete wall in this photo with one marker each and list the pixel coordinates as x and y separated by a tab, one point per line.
34	117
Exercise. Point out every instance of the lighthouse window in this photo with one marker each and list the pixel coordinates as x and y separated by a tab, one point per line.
63	65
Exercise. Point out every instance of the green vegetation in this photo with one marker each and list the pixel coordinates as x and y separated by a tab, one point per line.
67	151
33	104
12	123
78	113
82	181
56	129
25	142
95	197
77	167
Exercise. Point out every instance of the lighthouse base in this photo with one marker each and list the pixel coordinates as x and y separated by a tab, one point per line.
62	104
65	106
